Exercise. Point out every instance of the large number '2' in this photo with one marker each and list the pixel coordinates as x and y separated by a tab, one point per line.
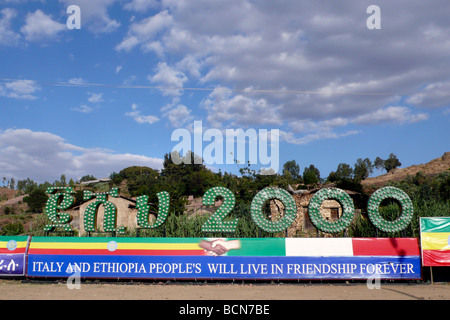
215	223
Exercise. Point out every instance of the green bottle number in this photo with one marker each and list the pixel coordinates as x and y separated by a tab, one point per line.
319	221
144	210
271	194
394	193
62	199
215	223
110	218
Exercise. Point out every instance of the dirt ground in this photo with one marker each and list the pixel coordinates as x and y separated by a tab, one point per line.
19	290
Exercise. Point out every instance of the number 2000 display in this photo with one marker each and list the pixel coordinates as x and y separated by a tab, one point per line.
61	198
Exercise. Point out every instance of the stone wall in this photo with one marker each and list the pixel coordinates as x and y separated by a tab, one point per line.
302	226
126	215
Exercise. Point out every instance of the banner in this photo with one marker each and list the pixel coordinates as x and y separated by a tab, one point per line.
225	258
435	241
12	255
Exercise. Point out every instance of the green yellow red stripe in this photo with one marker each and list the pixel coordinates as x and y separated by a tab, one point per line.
119	252
120	246
435	241
15	244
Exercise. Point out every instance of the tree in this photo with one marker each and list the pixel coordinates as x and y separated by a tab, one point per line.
332	177
362	169
87	178
116	178
344	178
311	175
344	171
12	183
27	185
379	163
292	168
391	163
140	180
36	200
63	181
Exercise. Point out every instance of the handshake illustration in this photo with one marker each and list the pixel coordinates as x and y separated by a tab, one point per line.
218	247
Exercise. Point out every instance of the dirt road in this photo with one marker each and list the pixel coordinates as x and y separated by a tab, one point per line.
17	290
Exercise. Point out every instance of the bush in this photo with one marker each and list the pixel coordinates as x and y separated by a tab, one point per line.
183	226
9	210
12	229
36	201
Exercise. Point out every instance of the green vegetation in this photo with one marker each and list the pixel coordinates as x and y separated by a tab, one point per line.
430	194
12	229
36	200
430	197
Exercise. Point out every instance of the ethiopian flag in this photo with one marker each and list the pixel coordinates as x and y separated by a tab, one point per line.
114	246
435	241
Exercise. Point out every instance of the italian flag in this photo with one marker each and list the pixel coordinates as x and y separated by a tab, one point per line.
435	241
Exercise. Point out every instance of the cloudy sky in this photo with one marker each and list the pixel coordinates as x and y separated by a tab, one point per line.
109	95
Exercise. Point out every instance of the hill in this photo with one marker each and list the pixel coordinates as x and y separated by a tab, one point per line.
434	167
6	194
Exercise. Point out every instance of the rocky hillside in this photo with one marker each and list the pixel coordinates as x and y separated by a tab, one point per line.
431	168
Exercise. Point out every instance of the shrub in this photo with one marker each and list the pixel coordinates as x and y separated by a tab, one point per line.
12	229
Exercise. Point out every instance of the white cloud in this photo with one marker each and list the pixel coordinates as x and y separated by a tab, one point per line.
19	89
144	31
324	133
339	73
41	27
43	156
77	81
390	115
179	116
95	97
191	65
140	5
316	130
8	37
170	79
127	44
139	117
434	95
238	110
305	126
334	128
83	109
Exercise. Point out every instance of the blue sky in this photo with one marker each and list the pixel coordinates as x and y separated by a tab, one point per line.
109	95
